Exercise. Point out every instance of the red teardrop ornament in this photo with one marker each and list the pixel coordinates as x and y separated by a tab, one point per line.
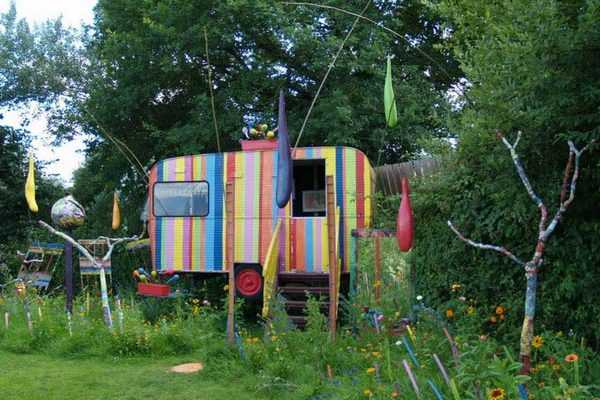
405	225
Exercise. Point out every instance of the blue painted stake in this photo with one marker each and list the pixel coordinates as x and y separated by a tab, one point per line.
523	394
410	352
435	390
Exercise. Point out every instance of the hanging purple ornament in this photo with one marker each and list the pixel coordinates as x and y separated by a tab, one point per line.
284	162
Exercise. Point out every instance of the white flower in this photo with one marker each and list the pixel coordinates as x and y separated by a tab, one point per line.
399	343
419	297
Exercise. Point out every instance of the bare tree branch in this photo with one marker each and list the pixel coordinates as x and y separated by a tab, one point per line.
574	154
521	171
483	246
111	242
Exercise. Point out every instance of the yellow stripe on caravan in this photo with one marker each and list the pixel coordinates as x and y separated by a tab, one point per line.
180	169
329	155
178	243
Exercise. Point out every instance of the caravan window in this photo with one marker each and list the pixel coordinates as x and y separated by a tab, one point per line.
181	199
309	188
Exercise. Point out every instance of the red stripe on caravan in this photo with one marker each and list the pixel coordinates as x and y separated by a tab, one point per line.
299	246
360	190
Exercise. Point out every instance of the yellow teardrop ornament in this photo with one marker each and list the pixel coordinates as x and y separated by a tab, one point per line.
30	187
116	218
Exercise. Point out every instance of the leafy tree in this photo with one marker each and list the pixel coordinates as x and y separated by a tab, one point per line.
530	67
30	62
149	87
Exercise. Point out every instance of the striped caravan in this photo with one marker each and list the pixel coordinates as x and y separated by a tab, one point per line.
187	210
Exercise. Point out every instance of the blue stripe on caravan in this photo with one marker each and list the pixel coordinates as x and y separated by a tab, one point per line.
218	189
209	251
339	192
309	234
309	244
158	225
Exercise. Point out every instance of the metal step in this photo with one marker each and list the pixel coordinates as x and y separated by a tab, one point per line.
304	289
302	304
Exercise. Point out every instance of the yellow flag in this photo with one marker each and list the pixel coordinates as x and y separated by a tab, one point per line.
30	186
116	218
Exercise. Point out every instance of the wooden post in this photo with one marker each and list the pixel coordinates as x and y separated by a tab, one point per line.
331	246
378	282
229	238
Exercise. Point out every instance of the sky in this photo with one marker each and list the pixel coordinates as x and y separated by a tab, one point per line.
68	157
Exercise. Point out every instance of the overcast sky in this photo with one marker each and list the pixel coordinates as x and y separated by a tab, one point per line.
66	158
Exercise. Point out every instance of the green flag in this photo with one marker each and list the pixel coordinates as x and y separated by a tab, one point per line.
389	100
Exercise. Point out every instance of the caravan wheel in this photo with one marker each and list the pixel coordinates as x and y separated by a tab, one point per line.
249	281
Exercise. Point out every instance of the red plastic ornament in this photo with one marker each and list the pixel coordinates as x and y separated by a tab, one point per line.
405	224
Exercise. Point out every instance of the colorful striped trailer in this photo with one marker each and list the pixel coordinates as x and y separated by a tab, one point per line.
187	223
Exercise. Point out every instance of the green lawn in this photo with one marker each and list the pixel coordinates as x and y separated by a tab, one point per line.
44	377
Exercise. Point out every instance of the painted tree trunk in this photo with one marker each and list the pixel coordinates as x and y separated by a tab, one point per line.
527	330
104	296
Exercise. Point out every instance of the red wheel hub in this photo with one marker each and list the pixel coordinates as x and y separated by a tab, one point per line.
248	282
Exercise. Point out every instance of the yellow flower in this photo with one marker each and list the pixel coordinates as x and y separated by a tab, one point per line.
471	310
537	342
571	358
377	284
449	313
376	354
455	287
370	370
368	393
496	394
500	310
226	288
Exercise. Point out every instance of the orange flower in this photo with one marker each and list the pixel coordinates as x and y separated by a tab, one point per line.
449	313
571	358
496	394
500	310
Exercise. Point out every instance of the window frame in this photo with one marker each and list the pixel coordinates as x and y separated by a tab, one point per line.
293	198
180	216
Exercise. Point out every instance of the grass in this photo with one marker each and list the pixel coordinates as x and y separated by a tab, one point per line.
37	376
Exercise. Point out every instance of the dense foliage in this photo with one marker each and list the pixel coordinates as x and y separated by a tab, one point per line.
32	68
533	68
152	92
